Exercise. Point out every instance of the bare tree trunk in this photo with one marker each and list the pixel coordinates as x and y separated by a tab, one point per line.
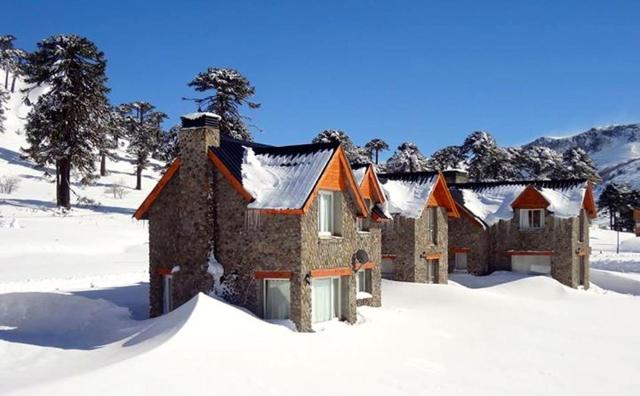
139	178
6	79
377	151
103	164
13	83
63	193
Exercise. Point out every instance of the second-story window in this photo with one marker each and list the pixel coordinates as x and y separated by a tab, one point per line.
531	219
326	218
432	225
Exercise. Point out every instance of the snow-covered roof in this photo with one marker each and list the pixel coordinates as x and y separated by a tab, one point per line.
407	193
491	202
359	171
276	177
196	115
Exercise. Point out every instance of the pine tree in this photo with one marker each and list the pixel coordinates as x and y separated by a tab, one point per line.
115	128
375	146
168	149
578	164
450	157
355	154
407	158
537	162
143	131
11	60
66	126
613	199
232	91
4	96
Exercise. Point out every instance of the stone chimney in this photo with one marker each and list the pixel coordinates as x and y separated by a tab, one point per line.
196	210
454	176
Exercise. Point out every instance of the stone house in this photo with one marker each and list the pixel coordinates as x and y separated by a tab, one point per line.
415	243
534	227
276	230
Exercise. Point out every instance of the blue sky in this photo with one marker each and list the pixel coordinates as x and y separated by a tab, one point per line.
429	72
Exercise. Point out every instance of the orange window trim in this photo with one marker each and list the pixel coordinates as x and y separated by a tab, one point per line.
389	256
230	178
141	212
460	249
530	252
324	272
432	256
366	266
273	274
163	271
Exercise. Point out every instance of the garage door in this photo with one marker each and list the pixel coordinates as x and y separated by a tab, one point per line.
531	264
461	261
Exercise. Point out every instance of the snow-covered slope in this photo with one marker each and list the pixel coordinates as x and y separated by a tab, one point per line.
615	149
91	244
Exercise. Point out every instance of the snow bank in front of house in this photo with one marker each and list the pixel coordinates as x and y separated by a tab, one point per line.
282	181
407	198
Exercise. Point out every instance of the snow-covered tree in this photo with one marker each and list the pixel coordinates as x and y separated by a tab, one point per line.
450	157
4	96
66	126
143	131
11	60
116	128
537	162
168	148
375	146
355	154
486	160
232	90
578	164
407	158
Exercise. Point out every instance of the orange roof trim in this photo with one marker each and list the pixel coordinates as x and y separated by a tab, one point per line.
530	198
441	196
370	186
589	203
142	211
227	175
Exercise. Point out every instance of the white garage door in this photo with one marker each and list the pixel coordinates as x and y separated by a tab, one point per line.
531	264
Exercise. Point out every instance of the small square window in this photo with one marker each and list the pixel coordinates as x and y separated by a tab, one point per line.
531	219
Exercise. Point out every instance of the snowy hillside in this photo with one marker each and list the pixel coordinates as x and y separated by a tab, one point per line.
93	243
615	150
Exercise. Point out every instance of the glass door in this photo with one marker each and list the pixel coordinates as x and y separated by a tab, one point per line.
276	298
326	299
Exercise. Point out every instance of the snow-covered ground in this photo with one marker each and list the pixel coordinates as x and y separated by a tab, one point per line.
73	318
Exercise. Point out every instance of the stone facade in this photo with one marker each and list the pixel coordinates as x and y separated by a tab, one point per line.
409	242
488	249
199	212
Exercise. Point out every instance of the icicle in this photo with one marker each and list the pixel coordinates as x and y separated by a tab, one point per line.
252	219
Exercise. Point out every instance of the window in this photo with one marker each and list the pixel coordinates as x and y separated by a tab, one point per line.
325	295
277	298
387	268
432	224
530	264
329	209
432	267
363	281
167	293
531	219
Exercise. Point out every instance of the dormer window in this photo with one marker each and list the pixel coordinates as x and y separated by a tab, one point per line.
531	219
329	213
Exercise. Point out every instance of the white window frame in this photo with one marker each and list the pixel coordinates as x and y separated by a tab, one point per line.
167	293
526	215
361	283
264	295
331	214
332	292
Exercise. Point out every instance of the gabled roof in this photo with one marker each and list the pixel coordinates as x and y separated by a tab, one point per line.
272	179
409	193
368	182
142	211
490	202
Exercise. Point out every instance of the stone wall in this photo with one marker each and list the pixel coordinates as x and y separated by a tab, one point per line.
163	241
408	240
558	235
464	234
